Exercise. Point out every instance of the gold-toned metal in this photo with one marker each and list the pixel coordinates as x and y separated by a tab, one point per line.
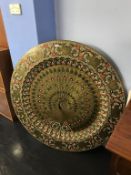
67	95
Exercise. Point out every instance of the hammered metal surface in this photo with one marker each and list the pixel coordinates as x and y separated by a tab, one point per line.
67	95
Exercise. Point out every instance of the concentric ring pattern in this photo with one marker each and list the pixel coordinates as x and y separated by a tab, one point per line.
67	95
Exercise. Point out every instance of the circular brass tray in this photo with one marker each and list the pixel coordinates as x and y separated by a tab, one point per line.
67	95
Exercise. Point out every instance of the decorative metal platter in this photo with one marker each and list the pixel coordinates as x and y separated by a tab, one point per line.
67	95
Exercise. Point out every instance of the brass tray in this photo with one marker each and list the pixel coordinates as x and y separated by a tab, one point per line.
67	95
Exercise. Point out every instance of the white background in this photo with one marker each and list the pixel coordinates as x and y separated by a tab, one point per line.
105	24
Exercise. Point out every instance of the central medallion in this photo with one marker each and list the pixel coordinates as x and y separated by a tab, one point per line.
62	91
